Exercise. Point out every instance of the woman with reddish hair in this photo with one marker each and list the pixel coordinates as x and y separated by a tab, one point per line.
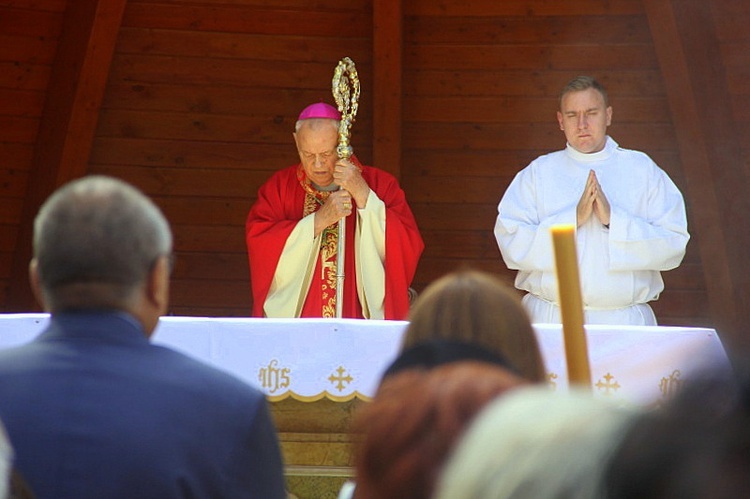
413	422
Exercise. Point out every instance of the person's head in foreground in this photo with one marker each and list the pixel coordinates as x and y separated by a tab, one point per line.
414	420
100	244
477	307
695	446
535	443
435	352
93	408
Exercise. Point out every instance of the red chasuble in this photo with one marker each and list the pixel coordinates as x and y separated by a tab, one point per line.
283	202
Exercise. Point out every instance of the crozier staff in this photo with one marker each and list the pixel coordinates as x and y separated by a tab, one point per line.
345	87
292	238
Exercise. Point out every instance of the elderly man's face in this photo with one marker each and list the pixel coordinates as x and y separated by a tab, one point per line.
316	144
584	119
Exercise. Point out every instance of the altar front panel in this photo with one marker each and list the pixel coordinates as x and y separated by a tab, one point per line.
343	359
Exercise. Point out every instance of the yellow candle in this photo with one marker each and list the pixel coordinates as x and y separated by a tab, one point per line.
571	305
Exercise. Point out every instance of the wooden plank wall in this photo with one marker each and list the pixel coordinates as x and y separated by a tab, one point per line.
692	68
732	19
29	31
199	111
202	96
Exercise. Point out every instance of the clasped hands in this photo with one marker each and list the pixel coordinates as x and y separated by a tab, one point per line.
353	191
593	201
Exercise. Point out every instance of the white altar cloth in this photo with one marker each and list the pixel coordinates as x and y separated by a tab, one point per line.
342	359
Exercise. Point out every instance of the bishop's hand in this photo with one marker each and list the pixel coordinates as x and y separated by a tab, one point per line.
337	206
347	175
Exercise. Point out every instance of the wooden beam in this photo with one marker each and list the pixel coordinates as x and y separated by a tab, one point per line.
68	121
387	87
690	59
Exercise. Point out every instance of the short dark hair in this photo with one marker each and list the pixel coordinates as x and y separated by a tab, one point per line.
580	83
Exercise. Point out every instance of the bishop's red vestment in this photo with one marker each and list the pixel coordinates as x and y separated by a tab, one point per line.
279	228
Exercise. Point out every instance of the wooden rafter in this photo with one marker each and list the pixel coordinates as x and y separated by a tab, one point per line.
68	122
689	55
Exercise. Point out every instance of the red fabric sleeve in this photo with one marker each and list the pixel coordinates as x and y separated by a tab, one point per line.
269	223
403	243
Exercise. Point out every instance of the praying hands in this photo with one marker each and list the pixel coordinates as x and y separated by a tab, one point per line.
593	201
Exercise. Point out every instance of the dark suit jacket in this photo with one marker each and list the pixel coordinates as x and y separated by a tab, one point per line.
94	410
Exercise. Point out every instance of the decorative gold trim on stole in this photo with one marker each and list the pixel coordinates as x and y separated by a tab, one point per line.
314	199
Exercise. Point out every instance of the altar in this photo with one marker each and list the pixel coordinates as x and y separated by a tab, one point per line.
315	372
343	359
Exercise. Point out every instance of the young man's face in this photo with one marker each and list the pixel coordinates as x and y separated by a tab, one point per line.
584	119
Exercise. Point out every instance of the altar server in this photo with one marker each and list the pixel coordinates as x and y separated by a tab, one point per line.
630	218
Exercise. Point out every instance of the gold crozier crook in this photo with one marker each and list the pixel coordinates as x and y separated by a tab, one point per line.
345	86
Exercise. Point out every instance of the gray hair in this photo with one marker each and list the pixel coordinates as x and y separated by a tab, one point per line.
93	234
316	123
533	442
580	83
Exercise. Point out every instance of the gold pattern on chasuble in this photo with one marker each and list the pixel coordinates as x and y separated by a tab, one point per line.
328	258
314	199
